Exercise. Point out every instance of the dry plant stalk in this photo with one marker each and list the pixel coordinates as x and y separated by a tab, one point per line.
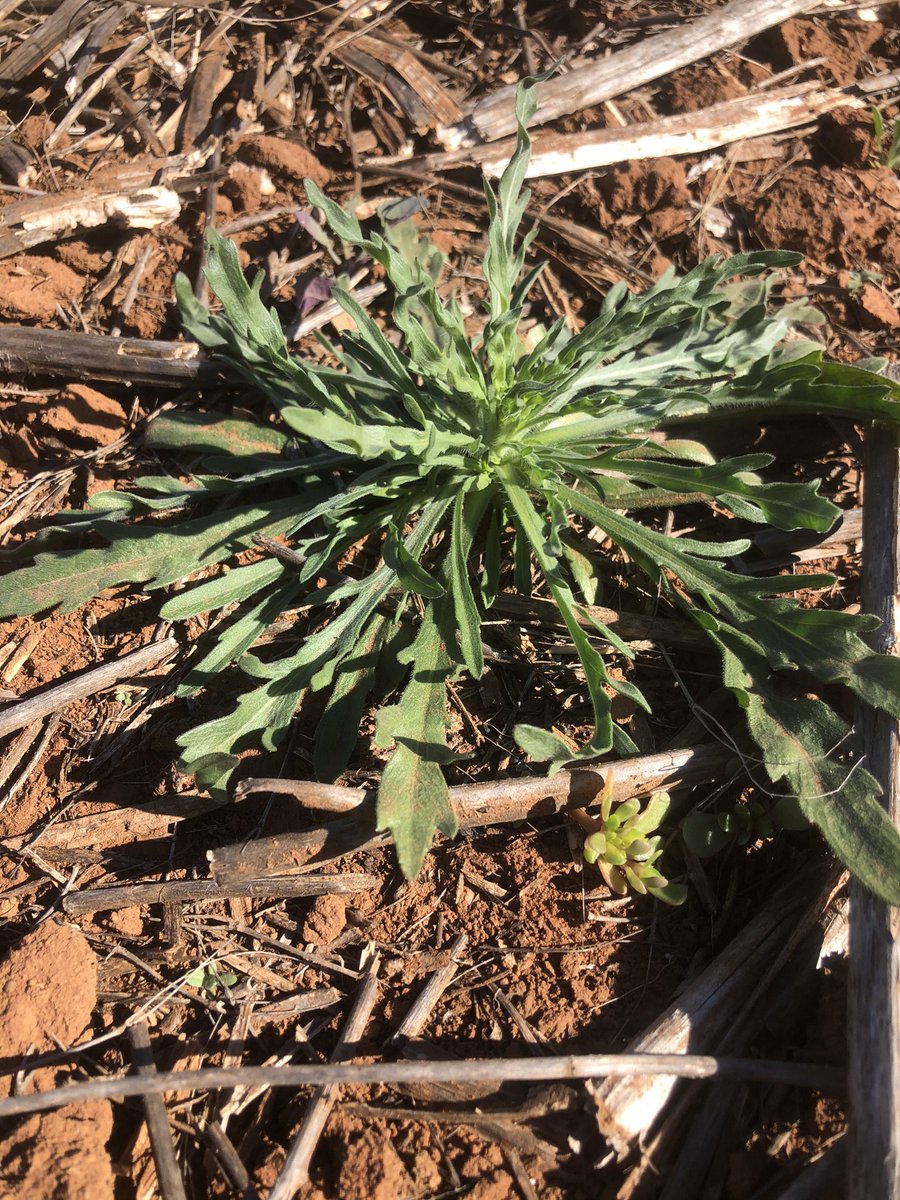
493	116
34	708
167	1170
295	1172
493	1071
754	115
85	357
187	891
628	1107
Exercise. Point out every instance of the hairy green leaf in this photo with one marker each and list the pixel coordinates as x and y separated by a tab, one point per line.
800	740
151	555
178	430
234	585
338	727
413	800
468	620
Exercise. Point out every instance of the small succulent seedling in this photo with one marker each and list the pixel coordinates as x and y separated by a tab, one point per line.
620	842
421	470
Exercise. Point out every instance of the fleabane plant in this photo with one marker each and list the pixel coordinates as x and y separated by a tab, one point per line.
451	459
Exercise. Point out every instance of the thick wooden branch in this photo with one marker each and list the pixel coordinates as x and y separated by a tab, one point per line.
873	1162
475	805
493	116
758	114
87	356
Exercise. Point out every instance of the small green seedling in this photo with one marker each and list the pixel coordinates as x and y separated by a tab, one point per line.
620	843
857	280
890	154
708	834
209	979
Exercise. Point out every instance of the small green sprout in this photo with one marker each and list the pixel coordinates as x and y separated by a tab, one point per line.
857	280
706	834
208	978
620	844
891	155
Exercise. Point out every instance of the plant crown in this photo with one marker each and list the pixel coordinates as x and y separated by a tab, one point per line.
458	458
620	842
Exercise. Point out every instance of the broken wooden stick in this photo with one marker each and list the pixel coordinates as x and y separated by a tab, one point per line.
423	1006
690	1153
873	1017
295	1172
51	31
475	804
188	891
69	118
171	1184
142	195
493	116
757	114
66	841
88	683
528	796
32	741
430	94
88	356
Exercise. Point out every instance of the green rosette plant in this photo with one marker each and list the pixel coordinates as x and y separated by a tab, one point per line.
623	845
470	464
